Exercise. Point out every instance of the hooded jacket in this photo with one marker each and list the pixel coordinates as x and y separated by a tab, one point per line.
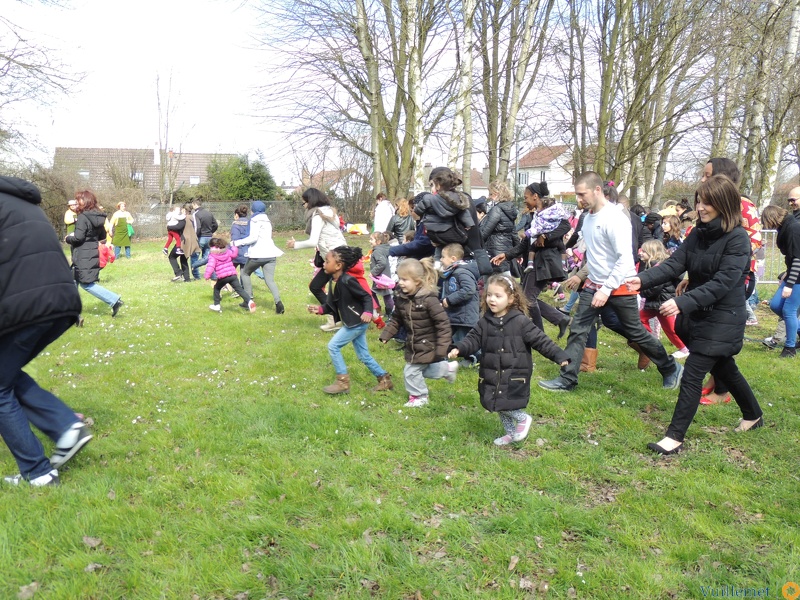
260	237
426	323
220	261
460	289
36	284
713	314
504	379
347	300
89	232
446	216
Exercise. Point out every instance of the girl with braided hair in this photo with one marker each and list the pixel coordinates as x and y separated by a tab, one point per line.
350	303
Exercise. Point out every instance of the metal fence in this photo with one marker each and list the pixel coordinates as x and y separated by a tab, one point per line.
150	222
772	265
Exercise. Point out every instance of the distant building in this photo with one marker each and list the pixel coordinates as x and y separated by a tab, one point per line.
106	168
546	163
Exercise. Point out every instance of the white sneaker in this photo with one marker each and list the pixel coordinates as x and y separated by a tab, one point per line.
416	401
680	354
69	444
50	478
504	441
251	306
452	370
215	307
522	429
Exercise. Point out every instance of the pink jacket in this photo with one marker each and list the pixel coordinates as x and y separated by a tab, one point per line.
221	262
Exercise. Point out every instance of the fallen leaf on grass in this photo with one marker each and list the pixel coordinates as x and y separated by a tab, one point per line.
26	592
313	546
539	542
246	568
92	567
367	537
512	564
370	585
92	542
112	495
525	583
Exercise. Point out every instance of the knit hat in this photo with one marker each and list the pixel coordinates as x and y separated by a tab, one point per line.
258	207
652	218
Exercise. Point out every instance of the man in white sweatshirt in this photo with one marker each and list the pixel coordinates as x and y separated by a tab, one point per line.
607	235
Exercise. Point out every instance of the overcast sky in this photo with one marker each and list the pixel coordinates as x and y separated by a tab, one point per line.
121	47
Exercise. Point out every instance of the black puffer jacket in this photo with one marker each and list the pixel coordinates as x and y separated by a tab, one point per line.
36	284
426	323
655	296
399	225
89	231
713	314
547	262
504	379
497	231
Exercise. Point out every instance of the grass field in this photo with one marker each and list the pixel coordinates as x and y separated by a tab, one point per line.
219	469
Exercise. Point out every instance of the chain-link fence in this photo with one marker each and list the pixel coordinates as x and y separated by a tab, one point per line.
151	222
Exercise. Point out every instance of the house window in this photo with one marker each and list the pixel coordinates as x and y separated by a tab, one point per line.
138	177
543	179
523	178
194	179
84	174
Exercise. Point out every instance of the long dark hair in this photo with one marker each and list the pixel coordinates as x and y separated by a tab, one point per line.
314	198
725	166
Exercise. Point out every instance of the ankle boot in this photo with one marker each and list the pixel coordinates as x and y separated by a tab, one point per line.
340	386
589	360
384	383
330	324
644	361
279	309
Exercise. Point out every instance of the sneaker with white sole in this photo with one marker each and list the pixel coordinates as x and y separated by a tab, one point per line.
251	306
522	428
452	371
70	443
680	354
50	478
416	401
504	441
215	308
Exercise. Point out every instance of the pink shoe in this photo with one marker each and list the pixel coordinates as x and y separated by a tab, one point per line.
416	401
504	441
522	429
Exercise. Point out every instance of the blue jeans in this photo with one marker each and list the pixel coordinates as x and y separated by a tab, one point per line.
787	308
118	248
101	293
23	402
203	260
357	335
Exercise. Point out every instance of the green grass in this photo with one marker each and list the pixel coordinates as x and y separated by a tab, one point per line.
220	470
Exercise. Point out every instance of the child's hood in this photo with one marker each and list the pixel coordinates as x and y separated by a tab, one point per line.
220	250
513	313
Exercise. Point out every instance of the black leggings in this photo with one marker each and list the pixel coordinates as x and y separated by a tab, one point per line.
317	286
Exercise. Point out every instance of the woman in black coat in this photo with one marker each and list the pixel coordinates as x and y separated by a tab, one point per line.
89	233
547	263
497	228
711	313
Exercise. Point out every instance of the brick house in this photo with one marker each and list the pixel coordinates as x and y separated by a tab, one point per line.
107	168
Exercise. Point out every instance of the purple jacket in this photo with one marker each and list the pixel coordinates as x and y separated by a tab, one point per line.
221	262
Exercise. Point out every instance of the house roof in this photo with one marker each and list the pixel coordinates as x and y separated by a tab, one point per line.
476	179
541	156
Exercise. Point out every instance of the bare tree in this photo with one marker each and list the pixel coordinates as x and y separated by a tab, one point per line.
168	160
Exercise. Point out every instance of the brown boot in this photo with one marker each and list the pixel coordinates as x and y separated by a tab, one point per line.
644	362
589	360
340	386
384	383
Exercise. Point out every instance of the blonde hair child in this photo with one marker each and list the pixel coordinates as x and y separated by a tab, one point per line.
417	308
506	336
652	254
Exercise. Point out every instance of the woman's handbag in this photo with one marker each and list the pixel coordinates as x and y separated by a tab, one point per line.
319	262
131	232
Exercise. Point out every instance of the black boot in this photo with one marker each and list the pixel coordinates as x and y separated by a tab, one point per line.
279	308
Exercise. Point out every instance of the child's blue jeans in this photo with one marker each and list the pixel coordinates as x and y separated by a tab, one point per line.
358	336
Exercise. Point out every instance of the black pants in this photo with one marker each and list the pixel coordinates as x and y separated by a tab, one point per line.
233	280
626	309
537	308
184	264
317	286
724	370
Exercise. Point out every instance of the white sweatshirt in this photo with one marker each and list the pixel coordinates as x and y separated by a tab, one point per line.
607	235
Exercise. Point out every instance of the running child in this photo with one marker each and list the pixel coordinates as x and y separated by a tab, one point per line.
417	308
460	297
351	304
652	254
176	221
380	269
506	335
220	261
